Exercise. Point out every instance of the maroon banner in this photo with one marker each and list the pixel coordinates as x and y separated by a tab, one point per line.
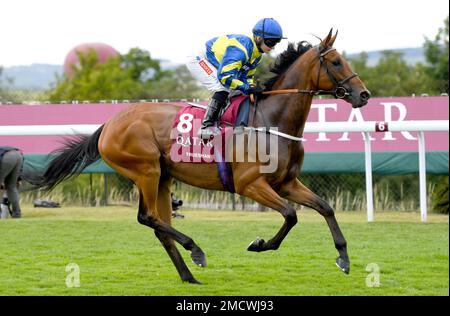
326	110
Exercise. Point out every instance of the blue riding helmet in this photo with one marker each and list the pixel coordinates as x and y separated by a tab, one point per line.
268	28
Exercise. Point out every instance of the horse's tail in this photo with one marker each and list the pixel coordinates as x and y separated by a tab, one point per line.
71	159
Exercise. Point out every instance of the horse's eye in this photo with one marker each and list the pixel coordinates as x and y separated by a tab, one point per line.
336	62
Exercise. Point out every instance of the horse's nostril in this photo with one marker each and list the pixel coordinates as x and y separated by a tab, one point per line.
365	95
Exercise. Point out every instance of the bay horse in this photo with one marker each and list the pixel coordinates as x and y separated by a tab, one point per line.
136	143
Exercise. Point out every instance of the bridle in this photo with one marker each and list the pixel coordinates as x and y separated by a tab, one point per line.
339	92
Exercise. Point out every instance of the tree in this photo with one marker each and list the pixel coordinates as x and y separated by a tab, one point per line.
133	76
5	93
93	81
263	71
1	80
177	84
392	76
1	84
140	66
436	53
440	201
128	76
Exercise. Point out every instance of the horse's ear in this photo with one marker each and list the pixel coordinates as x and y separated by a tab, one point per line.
325	43
333	39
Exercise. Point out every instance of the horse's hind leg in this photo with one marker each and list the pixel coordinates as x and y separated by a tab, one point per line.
296	192
148	214
164	205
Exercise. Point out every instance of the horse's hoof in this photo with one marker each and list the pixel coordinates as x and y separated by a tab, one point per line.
256	245
344	265
198	258
192	280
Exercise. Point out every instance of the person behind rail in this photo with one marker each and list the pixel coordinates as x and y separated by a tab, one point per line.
11	163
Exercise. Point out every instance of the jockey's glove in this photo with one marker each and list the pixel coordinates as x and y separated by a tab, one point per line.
256	89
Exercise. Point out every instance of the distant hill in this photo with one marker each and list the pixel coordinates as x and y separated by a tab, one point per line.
412	56
41	76
33	77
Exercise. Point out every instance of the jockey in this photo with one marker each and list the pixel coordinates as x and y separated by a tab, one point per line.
229	62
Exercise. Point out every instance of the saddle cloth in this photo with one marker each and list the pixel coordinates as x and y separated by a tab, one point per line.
187	147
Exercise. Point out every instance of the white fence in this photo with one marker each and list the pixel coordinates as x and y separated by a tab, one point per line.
329	127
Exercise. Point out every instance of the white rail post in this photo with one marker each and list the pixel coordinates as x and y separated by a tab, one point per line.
369	184
422	177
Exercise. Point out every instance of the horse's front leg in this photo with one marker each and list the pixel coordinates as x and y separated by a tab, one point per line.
297	192
261	192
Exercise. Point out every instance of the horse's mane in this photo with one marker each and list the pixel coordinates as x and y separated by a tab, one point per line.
285	59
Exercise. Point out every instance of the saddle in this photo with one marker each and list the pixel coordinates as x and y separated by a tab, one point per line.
238	99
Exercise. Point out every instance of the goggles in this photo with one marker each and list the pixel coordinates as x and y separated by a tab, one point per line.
271	42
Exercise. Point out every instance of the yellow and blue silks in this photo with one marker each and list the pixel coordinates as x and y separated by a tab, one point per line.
236	58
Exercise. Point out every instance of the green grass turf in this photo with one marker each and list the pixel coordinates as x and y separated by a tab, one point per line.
118	256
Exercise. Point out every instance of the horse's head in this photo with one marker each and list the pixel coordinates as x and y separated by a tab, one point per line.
334	75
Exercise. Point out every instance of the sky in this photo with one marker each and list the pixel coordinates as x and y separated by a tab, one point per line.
44	31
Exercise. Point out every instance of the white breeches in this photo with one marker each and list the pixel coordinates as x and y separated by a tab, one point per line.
202	70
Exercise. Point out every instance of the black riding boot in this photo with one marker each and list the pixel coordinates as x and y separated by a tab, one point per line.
209	127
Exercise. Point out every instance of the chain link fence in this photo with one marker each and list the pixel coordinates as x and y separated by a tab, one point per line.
344	192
